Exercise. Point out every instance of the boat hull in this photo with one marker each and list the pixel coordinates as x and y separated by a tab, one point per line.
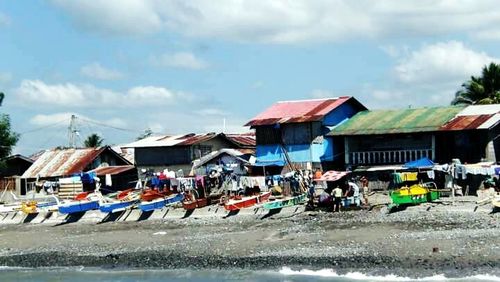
247	202
80	206
160	203
287	202
114	207
198	203
413	195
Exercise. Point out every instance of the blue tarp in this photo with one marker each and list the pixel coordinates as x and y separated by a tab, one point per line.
270	163
423	162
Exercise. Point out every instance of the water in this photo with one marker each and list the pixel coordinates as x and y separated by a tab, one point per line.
285	275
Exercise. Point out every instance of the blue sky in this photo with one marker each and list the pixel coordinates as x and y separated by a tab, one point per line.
179	66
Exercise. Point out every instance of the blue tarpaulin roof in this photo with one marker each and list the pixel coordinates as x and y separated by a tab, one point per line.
270	163
423	162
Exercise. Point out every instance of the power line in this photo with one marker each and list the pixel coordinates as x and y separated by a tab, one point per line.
42	127
110	126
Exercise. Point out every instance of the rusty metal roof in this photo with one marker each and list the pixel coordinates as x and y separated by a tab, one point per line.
466	122
244	140
62	162
300	111
397	121
112	170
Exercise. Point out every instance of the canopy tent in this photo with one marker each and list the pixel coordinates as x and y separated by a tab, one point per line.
332	175
420	163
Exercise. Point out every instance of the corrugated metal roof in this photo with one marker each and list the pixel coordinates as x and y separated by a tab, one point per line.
171	140
54	163
243	140
475	110
299	111
466	122
112	170
397	121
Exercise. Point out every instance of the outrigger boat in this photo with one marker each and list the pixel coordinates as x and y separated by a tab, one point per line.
415	194
285	202
124	200
83	202
238	203
30	207
160	202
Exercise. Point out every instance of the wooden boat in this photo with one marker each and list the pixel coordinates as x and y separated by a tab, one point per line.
110	205
415	194
246	202
286	202
151	194
83	202
34	206
161	202
6	208
194	203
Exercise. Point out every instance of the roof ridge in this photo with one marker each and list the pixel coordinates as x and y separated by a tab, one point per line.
317	99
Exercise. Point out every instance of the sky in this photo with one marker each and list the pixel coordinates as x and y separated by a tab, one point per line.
182	66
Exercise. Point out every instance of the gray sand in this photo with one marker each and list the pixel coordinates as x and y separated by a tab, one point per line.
421	240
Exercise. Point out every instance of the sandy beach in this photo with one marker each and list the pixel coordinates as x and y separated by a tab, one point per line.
456	239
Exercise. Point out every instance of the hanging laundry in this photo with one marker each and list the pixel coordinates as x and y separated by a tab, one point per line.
430	174
397	178
409	176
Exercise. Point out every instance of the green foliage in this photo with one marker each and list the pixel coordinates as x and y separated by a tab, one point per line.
93	140
2	95
484	89
8	139
147	133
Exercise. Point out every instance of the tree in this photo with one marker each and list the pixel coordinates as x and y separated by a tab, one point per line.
93	140
484	89
8	138
147	133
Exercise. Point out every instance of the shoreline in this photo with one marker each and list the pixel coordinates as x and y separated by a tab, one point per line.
424	240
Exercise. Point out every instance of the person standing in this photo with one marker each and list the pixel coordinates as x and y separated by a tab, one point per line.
365	189
337	198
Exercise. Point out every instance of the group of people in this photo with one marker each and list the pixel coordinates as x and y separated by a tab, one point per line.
352	194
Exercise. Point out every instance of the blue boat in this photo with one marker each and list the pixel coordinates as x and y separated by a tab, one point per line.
79	206
114	207
160	203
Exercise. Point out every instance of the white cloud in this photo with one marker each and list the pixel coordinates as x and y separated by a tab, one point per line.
62	120
211	112
446	61
68	94
5	77
4	20
183	60
282	21
429	75
96	71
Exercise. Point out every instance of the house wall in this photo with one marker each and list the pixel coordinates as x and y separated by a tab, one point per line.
340	114
177	157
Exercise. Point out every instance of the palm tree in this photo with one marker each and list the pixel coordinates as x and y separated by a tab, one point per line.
93	140
484	89
2	95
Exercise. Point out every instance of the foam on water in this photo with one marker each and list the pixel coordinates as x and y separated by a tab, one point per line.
358	276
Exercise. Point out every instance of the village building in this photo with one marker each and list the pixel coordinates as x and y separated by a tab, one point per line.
10	175
226	159
52	166
177	152
296	130
384	137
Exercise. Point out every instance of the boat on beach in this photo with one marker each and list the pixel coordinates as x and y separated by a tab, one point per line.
159	203
285	202
123	200
238	203
83	202
415	194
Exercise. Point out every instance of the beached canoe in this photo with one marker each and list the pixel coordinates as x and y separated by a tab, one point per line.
150	195
82	203
286	202
30	207
246	202
194	204
415	194
160	203
110	205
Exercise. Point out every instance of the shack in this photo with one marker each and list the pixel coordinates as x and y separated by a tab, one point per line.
296	130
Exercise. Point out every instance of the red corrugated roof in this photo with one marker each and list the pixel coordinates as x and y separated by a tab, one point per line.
243	140
112	170
54	163
466	122
195	139
298	111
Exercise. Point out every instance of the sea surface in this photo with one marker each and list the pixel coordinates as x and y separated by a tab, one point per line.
8	274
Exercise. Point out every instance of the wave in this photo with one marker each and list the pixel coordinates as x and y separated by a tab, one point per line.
358	276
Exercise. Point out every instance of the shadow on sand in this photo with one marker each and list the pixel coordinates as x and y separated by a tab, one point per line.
29	218
271	213
232	213
145	215
72	218
112	216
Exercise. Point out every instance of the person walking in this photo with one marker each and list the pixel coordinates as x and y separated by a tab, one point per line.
337	199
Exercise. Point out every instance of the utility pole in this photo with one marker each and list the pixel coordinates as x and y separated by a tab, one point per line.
72	132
